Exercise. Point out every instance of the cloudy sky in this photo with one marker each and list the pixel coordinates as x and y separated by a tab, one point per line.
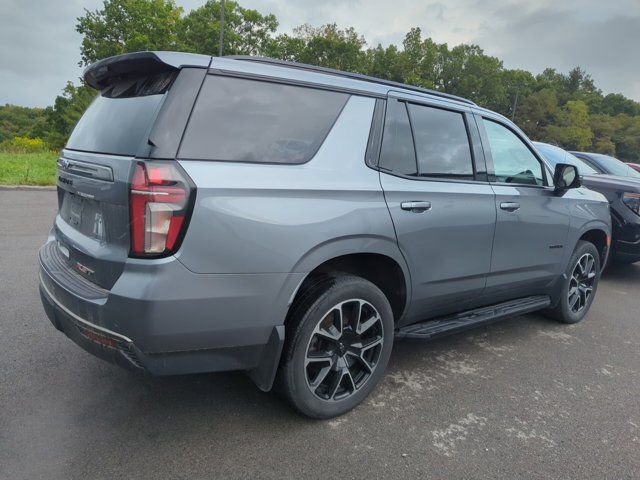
39	48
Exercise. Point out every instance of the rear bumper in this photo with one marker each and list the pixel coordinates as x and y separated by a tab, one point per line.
162	319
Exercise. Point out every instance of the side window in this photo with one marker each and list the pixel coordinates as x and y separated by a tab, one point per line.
242	120
442	143
397	154
513	162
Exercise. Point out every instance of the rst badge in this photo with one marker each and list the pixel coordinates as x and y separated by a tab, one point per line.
84	269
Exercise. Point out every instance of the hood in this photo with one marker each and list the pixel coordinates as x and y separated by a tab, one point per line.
612	182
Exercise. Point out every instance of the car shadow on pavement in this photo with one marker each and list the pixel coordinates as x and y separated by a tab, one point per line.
218	398
623	273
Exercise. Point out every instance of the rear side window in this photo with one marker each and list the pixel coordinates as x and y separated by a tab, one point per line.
244	120
398	154
442	143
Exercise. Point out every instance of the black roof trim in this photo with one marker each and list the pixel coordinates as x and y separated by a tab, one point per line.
354	76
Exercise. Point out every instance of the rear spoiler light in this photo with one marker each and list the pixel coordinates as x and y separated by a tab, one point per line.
105	72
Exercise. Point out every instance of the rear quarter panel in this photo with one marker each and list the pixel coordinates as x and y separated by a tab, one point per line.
260	218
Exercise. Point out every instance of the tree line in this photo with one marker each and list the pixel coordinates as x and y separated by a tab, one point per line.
566	109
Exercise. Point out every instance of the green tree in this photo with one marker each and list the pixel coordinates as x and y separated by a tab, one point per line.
566	108
604	128
123	26
421	60
385	63
246	31
616	103
65	113
518	86
627	138
16	121
536	112
571	129
468	72
325	46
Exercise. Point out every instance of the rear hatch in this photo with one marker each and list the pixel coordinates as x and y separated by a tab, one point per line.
110	144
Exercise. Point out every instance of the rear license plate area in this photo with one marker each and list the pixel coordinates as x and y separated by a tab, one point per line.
84	215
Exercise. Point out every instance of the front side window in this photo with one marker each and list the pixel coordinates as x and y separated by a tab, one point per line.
442	143
242	120
513	162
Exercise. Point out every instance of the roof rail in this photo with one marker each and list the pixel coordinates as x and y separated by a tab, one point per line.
354	76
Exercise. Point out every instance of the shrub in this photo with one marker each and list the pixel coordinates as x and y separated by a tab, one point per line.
23	145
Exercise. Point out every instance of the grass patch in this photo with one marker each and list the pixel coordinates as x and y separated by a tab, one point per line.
28	168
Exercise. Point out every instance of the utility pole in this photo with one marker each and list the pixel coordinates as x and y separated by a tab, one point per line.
220	51
515	106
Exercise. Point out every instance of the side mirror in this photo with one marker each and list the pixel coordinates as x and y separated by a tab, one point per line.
565	177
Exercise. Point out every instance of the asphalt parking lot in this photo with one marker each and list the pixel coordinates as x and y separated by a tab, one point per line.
525	398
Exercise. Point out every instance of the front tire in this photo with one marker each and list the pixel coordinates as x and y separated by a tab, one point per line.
579	285
339	339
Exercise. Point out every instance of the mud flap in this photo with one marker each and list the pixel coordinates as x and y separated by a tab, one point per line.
264	374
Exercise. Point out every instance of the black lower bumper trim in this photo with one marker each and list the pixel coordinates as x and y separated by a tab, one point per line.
120	350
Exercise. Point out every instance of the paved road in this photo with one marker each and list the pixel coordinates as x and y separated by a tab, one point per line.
526	398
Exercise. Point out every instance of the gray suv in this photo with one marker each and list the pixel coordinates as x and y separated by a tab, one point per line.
290	221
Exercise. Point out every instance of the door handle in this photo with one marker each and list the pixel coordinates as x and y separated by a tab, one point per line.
510	206
416	207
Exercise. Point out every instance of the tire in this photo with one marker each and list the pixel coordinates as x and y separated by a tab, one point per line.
573	308
325	372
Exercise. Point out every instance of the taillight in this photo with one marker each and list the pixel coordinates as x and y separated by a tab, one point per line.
159	202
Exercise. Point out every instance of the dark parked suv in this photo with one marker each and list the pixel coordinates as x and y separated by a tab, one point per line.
620	184
289	221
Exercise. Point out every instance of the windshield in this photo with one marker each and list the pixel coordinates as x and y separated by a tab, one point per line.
557	155
613	166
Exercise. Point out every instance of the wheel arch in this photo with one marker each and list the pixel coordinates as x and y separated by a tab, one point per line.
373	258
599	236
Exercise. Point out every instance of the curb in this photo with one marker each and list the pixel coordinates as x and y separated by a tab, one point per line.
28	187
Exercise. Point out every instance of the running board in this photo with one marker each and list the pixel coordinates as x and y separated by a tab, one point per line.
473	318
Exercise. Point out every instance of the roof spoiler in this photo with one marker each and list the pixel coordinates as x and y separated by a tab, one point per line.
104	72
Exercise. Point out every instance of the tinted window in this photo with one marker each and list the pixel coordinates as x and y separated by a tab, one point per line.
252	121
513	162
614	166
398	153
442	144
557	155
115	125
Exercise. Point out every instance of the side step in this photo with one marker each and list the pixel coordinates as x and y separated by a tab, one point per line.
473	318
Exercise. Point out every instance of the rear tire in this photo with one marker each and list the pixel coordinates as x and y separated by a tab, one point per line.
338	341
579	286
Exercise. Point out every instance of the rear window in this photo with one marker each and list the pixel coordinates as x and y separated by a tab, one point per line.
118	120
255	121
